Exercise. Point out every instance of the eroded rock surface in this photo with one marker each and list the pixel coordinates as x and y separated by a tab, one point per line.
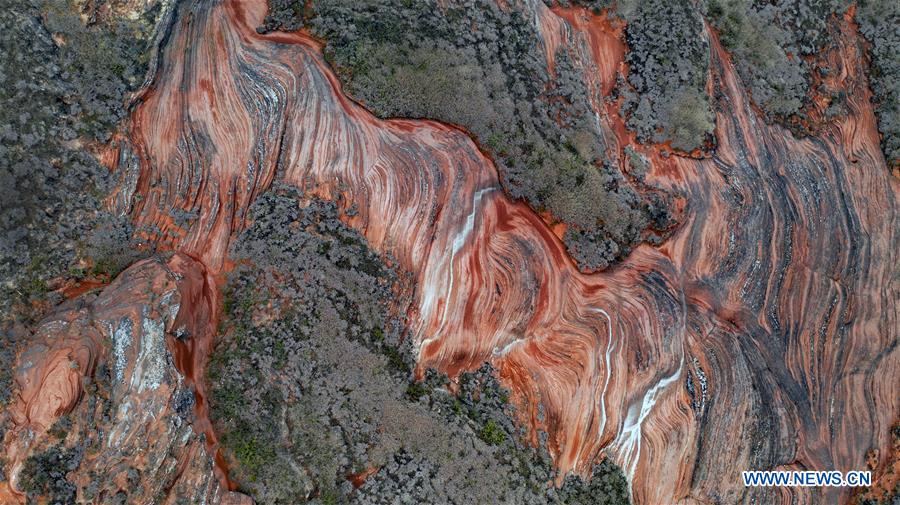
761	335
763	325
102	414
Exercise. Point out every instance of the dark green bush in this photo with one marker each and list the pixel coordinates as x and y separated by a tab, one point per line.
492	433
767	41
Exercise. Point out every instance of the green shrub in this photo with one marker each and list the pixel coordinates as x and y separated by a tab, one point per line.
492	433
767	41
668	57
45	475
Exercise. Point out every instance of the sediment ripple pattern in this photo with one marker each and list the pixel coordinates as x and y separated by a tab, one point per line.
762	335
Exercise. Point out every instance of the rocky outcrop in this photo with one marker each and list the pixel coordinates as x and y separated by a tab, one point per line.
297	424
761	327
761	335
103	414
512	76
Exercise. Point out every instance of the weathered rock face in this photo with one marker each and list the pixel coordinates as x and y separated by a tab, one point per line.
761	335
297	424
510	77
701	351
98	386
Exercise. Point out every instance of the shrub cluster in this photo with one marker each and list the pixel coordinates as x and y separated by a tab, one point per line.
771	43
668	58
768	41
312	390
44	475
878	21
63	87
482	67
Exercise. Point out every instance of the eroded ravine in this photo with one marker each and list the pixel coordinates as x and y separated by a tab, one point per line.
761	335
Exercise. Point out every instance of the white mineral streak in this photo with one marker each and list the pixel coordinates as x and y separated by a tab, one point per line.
628	441
149	367
122	338
610	346
445	269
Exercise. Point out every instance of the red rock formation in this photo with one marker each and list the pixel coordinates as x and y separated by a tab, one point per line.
772	301
134	416
762	335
